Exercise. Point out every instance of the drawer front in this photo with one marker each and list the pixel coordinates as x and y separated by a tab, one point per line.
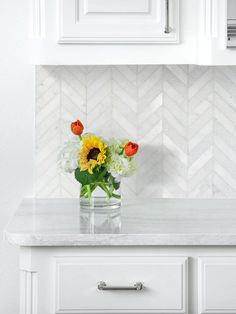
217	285
164	284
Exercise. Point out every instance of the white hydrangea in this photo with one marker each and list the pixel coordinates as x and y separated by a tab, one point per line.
120	166
69	156
116	145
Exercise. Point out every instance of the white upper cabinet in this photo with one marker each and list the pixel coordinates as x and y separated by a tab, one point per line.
213	48
118	21
85	32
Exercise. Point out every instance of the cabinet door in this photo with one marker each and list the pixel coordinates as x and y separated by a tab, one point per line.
164	281
118	21
217	285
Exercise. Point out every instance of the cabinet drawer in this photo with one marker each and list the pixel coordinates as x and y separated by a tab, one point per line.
217	285
164	282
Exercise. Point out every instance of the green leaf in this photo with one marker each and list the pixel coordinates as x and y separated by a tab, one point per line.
102	173
115	184
86	178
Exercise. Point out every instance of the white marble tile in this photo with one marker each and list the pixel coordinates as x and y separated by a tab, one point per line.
183	117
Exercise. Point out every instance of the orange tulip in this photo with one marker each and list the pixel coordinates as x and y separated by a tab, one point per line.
131	149
77	127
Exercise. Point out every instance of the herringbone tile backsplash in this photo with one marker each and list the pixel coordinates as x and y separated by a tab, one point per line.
183	117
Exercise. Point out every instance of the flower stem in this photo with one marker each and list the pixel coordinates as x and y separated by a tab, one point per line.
84	190
105	189
89	193
116	195
107	186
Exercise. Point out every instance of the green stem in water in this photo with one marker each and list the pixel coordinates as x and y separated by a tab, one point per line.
105	189
84	190
109	192
89	192
116	196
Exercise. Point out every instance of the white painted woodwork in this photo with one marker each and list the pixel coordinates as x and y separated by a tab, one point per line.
28	292
129	32
62	279
143	41
164	282
37	19
106	21
217	285
114	6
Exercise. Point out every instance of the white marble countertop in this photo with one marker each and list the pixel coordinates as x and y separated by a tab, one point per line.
159	222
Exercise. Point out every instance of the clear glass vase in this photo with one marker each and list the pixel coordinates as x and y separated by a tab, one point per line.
93	221
101	195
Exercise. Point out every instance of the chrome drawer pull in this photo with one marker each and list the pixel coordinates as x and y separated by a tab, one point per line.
167	26
136	287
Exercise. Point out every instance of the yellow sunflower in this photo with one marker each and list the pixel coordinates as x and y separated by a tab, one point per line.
93	153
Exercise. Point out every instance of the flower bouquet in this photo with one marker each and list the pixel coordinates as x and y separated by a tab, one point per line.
98	165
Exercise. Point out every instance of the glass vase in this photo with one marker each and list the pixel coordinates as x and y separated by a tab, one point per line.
101	195
100	221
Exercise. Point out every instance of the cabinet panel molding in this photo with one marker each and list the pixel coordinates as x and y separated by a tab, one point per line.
116	21
37	19
114	6
217	285
28	292
164	279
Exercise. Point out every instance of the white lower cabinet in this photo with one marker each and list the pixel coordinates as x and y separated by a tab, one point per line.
217	285
162	283
161	280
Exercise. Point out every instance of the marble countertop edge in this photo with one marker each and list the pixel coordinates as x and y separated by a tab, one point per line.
38	240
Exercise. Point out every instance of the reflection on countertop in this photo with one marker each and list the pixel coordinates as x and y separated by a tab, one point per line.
100	221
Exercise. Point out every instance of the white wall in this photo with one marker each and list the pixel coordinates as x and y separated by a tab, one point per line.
16	136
